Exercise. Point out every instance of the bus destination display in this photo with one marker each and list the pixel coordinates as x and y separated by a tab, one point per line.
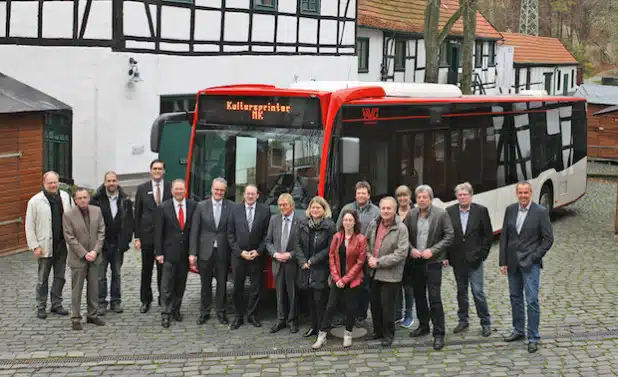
300	112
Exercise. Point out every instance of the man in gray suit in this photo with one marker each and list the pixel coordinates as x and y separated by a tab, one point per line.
209	249
431	233
526	237
84	231
280	242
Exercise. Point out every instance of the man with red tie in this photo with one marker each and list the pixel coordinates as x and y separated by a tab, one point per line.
172	227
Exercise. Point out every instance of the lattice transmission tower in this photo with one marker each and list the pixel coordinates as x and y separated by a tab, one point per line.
529	17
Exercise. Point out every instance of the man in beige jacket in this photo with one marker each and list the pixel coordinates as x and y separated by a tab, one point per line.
45	238
84	232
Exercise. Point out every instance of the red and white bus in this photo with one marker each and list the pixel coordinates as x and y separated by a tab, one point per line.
320	138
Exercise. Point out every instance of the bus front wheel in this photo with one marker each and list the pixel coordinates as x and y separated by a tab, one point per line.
547	197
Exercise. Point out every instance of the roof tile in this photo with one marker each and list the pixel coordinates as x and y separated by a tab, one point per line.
409	16
535	49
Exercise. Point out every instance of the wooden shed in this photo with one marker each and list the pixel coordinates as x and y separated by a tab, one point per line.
28	146
602	120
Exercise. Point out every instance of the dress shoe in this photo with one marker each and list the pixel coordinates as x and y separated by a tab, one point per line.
513	337
117	308
254	321
376	336
145	307
203	318
310	332
60	310
461	327
486	331
419	331
95	321
165	322
76	325
177	316
276	327
41	313
236	323
533	347
386	342
293	327
101	311
438	343
222	319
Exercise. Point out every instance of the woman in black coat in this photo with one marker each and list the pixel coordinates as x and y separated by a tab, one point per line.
315	235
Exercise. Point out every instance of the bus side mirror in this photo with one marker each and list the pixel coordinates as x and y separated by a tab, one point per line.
350	155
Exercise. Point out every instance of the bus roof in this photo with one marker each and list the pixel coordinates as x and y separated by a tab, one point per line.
397	93
392	89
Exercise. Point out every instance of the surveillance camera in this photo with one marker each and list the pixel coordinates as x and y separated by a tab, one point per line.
132	61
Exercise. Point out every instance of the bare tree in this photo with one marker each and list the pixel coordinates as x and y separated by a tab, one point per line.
434	37
469	9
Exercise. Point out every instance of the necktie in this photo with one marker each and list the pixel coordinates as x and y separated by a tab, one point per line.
286	233
217	213
158	194
250	218
520	219
181	217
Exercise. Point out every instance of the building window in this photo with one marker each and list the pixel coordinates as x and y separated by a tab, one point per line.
400	55
478	54
57	146
265	4
310	6
558	81
182	1
548	82
491	59
362	51
572	78
174	104
444	54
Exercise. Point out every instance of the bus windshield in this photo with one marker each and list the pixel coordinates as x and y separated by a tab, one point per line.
276	160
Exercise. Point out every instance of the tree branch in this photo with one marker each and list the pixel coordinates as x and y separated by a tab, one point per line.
449	25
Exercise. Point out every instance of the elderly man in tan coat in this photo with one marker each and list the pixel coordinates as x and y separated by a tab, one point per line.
84	232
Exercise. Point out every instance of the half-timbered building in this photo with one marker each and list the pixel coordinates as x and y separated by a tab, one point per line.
541	63
119	63
390	44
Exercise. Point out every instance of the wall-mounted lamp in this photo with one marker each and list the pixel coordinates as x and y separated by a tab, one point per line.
133	71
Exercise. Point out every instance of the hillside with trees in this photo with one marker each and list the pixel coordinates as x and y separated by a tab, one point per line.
589	28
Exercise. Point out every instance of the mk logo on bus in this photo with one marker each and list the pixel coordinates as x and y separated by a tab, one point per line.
371	113
257	115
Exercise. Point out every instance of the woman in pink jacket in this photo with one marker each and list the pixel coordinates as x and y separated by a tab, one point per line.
346	259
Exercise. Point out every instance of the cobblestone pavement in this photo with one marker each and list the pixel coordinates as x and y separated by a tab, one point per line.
579	326
603	168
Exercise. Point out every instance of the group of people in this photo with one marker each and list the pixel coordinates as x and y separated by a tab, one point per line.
388	258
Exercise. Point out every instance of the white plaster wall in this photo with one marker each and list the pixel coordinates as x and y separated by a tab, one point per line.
112	119
537	78
376	43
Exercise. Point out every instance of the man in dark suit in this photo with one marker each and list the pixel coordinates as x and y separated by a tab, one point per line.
117	211
147	199
209	249
246	232
281	240
526	237
431	233
172	229
472	242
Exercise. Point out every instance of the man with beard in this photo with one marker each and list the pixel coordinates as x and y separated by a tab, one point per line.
117	211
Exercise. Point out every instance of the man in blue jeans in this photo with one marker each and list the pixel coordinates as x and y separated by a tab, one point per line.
117	211
527	236
470	248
